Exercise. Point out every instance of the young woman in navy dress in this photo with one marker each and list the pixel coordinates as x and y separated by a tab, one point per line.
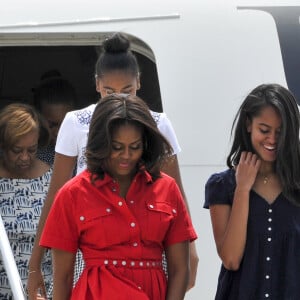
255	203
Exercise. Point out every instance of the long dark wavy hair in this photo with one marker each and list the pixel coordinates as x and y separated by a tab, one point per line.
116	110
287	164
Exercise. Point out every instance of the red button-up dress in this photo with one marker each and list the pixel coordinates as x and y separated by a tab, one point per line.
122	240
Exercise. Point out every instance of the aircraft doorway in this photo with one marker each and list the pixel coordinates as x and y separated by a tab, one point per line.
23	65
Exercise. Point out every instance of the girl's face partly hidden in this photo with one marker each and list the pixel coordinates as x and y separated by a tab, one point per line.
264	131
19	159
117	82
126	152
54	114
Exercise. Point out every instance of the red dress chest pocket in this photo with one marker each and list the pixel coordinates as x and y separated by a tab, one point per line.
102	227
156	221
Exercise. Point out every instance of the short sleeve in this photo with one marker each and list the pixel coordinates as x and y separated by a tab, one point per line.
61	230
165	127
67	136
181	228
219	188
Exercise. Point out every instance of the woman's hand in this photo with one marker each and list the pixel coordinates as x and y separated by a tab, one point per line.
246	170
35	286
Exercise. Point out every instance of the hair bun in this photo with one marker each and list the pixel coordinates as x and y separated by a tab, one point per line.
116	43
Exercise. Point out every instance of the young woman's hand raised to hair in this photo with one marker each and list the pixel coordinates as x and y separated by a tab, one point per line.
246	170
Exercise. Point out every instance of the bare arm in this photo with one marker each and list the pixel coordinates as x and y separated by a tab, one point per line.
230	223
63	273
62	171
171	167
178	270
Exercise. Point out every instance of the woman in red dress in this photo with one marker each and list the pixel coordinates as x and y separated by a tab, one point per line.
122	213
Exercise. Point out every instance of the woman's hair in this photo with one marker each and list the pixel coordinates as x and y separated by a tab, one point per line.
116	56
54	90
114	111
287	164
17	120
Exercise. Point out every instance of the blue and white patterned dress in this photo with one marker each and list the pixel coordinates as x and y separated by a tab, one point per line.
21	202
